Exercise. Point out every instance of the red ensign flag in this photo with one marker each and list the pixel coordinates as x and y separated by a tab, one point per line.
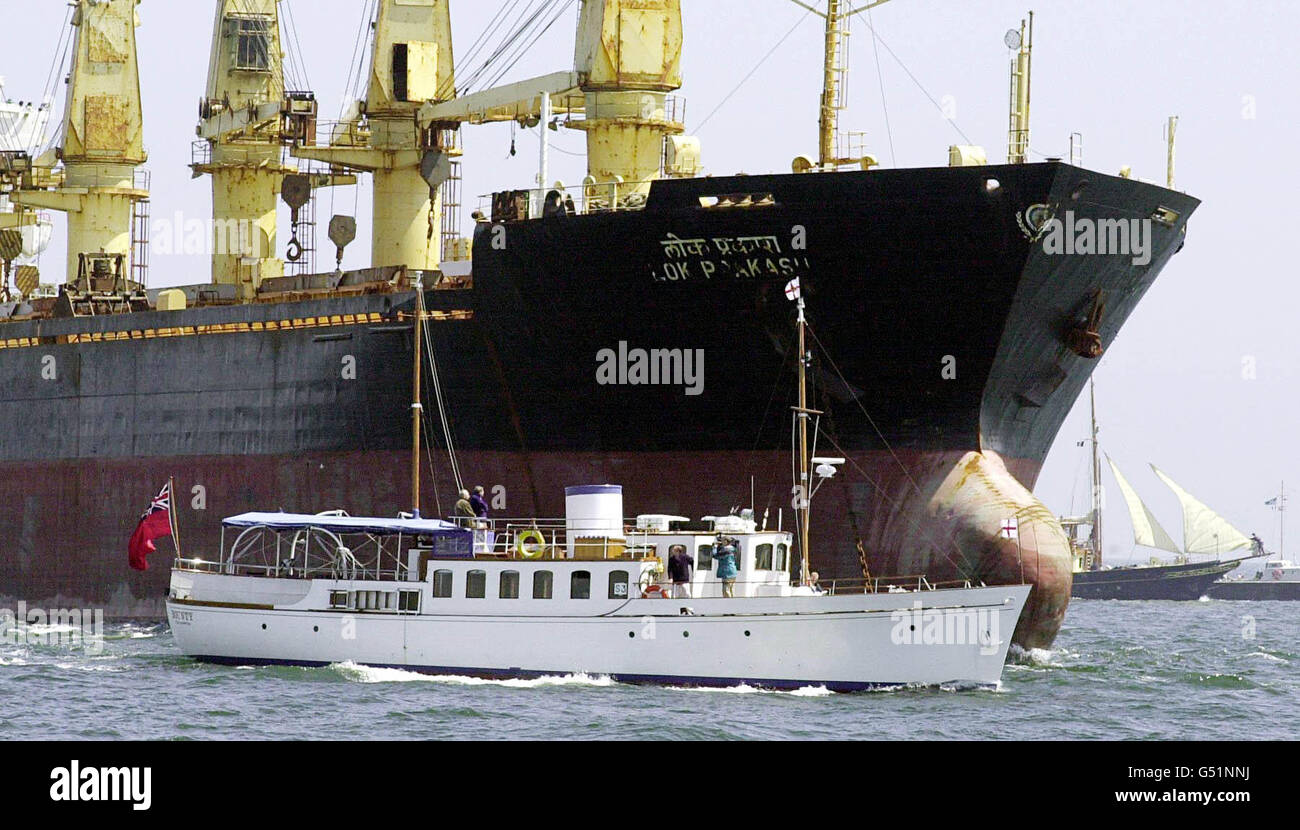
154	524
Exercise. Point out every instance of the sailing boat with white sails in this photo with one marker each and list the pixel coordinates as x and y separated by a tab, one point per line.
1206	535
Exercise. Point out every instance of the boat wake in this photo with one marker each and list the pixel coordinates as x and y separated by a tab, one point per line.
373	674
746	689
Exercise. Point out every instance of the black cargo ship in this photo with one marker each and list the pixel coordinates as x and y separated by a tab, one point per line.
950	347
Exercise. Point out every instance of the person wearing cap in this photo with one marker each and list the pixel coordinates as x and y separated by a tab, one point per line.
727	571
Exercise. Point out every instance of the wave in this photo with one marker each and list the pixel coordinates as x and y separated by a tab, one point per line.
375	674
746	689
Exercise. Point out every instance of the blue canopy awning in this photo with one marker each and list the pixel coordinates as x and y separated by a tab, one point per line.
347	524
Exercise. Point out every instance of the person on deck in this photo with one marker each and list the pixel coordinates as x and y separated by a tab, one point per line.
680	566
465	510
727	571
479	503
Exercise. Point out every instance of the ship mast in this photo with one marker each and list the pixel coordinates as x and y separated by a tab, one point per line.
833	69
1022	64
1171	133
805	503
417	408
1096	480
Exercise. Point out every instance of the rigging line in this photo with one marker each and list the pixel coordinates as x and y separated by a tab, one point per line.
360	83
517	45
858	400
884	105
430	438
525	49
960	566
56	140
352	64
297	45
442	408
57	69
924	91
907	473
757	66
472	54
525	20
552	145
56	60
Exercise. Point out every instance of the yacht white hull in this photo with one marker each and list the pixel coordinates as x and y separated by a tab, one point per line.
940	637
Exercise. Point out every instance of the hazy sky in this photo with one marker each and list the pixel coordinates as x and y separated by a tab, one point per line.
1171	390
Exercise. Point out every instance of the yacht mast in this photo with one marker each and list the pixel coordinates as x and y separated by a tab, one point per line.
417	408
1096	479
805	483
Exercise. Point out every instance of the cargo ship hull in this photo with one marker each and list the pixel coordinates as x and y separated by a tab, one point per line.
946	355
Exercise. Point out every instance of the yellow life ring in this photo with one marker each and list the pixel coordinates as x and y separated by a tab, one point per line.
530	544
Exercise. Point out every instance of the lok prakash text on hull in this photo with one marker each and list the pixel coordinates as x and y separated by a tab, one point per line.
632	328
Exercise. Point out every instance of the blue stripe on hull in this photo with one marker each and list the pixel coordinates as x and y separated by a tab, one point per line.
639	679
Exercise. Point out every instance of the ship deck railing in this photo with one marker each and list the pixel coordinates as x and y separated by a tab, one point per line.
888	584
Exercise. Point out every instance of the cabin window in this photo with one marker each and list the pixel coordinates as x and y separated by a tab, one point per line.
409	601
705	562
442	584
580	585
618	581
476	584
509	586
252	43
782	558
338	599
763	558
543	585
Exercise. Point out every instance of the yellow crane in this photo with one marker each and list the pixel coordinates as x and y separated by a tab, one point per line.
103	145
247	118
627	61
411	64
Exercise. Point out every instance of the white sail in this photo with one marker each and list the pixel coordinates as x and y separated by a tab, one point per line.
1146	530
1204	531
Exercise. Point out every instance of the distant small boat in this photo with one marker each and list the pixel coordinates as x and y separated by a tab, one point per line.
1205	533
1279	578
